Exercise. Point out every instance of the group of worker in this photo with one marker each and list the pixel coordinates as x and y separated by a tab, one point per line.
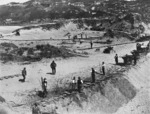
94	72
77	84
134	58
44	81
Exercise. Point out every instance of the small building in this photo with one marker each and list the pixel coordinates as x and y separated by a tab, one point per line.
78	4
8	21
13	4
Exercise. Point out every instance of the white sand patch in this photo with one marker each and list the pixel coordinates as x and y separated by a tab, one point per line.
38	33
147	28
8	29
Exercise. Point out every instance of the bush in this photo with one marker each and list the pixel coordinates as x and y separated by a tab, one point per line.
20	52
6	57
9	45
30	51
39	47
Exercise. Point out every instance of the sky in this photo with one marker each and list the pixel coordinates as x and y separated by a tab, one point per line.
8	1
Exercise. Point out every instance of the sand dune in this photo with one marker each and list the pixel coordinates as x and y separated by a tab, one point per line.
19	96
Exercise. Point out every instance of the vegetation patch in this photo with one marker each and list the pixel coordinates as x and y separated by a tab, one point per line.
36	53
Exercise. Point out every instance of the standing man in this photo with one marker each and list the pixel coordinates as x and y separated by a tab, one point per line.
91	44
24	73
116	59
45	87
103	68
93	75
126	59
36	109
148	45
137	46
53	67
135	59
79	84
73	83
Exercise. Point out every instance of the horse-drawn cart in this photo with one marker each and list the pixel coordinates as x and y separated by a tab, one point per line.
128	59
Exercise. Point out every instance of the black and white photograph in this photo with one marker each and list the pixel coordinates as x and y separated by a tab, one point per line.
74	56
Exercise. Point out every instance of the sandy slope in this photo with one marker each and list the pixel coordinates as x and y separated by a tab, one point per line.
140	78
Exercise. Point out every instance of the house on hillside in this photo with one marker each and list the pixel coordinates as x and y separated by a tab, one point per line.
35	21
58	3
8	21
78	4
76	35
64	1
35	3
13	4
97	3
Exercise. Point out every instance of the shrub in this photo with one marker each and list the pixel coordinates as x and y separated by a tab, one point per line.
20	52
30	51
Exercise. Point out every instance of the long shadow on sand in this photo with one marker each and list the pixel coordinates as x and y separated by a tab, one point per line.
120	64
50	73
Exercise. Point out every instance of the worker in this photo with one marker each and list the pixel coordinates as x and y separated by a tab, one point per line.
45	87
116	59
103	68
135	59
137	46
36	109
148	45
1	36
79	84
126	59
91	44
53	67
93	75
24	73
73	83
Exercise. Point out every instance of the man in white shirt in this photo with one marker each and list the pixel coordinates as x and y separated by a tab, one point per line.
73	83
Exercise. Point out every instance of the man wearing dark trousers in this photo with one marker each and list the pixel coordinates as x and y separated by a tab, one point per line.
79	84
93	75
45	87
91	44
116	59
103	68
24	73
53	67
